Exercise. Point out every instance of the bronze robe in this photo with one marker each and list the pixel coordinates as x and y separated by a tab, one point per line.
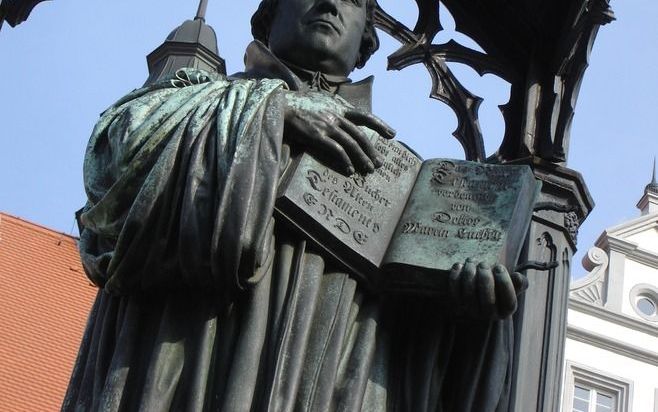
206	304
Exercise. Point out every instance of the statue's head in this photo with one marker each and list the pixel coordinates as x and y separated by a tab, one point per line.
332	36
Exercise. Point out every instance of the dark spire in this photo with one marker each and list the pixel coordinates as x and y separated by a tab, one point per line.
653	186
201	12
192	44
648	204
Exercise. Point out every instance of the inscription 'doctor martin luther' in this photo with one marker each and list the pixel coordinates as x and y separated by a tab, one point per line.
403	226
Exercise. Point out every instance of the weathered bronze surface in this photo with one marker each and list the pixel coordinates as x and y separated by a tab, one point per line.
540	47
351	217
478	211
410	217
209	301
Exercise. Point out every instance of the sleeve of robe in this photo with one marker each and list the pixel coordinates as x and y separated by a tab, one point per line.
181	181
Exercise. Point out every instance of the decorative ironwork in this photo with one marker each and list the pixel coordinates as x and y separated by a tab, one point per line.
416	48
529	44
15	12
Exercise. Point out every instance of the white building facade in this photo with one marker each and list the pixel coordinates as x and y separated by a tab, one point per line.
611	351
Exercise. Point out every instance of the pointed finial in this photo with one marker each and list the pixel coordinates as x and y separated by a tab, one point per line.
653	186
201	12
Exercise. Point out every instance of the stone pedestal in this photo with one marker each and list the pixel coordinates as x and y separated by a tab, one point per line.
540	322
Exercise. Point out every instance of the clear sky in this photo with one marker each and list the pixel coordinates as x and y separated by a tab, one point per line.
72	59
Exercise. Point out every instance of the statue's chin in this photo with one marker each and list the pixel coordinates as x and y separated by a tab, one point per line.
323	60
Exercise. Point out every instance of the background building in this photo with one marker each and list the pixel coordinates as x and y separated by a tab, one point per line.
44	302
611	352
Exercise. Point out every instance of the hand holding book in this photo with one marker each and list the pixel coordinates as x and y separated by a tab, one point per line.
401	228
483	291
329	127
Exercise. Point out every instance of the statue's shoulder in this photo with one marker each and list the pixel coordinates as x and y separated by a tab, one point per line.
187	81
183	92
173	89
180	79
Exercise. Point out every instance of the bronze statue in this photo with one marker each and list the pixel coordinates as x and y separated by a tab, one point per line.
206	303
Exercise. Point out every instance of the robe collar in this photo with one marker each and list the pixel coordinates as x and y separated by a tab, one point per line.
260	62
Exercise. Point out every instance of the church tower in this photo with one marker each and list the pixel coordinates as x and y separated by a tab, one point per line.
192	44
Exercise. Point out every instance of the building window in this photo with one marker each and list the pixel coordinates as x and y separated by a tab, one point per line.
646	305
591	400
590	390
644	300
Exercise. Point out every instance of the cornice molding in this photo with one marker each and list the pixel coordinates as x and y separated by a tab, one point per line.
631	227
644	257
630	250
612	345
621	245
613	317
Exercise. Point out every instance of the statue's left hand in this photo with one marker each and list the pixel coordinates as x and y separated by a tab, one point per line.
332	130
483	291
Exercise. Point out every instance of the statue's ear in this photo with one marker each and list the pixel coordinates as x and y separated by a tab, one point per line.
369	44
364	50
261	21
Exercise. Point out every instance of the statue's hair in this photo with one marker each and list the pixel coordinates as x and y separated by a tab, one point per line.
261	24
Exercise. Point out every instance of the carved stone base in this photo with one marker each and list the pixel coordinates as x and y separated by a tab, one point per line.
540	322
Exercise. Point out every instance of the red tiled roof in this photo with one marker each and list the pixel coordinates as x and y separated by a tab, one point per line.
45	298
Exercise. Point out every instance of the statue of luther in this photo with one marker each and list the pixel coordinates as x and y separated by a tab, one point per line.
205	303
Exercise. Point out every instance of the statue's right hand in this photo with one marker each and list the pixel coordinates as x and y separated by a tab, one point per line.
482	291
331	130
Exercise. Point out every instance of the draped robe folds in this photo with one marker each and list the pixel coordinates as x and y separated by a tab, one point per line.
205	303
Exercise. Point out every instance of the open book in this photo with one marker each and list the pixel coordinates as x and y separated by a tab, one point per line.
403	226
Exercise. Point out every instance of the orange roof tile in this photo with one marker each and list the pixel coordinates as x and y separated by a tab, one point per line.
45	298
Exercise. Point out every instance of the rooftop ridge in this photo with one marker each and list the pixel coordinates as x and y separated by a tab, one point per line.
36	227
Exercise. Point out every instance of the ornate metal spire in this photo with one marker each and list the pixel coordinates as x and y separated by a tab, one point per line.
648	203
653	186
201	12
192	44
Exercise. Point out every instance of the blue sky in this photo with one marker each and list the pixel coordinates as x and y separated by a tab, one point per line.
72	59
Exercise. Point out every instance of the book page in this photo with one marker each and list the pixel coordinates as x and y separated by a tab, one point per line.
458	210
352	218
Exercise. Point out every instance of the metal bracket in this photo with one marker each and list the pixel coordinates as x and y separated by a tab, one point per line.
539	266
555	207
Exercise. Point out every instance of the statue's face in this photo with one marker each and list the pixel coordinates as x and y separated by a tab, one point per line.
322	35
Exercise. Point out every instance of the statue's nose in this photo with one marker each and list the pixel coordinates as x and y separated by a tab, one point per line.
328	6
